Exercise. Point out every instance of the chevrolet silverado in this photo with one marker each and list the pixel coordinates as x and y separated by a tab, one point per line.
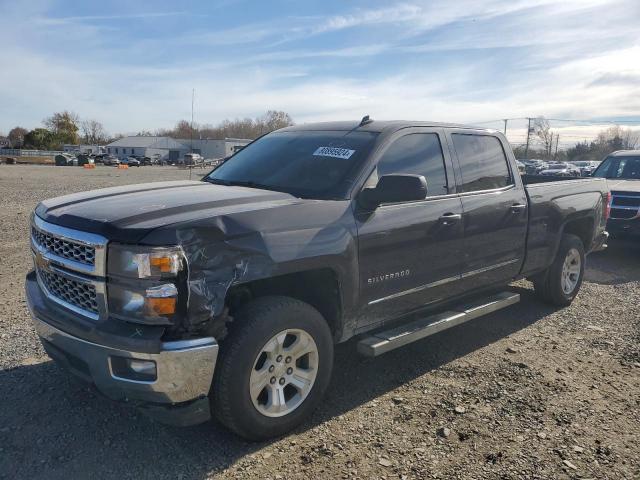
226	296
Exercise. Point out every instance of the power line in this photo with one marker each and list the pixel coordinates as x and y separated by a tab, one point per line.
568	120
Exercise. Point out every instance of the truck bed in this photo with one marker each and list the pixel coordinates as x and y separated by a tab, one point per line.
554	201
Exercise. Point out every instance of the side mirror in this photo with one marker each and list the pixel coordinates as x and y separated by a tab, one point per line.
394	189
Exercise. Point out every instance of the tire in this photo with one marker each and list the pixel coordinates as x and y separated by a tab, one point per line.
552	286
256	327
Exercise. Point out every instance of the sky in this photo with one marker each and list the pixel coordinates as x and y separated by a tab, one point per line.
132	65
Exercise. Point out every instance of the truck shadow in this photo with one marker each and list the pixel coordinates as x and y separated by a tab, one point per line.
619	263
52	426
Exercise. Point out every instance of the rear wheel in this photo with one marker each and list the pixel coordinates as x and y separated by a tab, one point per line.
273	369
561	282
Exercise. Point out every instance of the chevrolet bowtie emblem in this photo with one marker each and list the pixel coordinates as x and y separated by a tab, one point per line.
41	262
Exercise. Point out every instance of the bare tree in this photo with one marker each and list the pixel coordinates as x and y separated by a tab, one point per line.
238	128
274	120
93	132
16	137
619	138
542	129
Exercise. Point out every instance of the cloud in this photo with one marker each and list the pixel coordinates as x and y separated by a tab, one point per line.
103	18
450	61
617	79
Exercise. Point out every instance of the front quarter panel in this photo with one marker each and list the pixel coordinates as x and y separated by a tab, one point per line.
229	250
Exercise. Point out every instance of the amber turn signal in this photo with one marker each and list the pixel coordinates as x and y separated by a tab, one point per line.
160	306
164	264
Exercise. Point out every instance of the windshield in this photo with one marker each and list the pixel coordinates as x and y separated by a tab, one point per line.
622	167
557	166
310	164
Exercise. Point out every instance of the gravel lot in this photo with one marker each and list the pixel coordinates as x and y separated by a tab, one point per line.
529	392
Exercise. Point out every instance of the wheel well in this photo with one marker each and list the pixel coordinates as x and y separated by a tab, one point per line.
319	288
582	228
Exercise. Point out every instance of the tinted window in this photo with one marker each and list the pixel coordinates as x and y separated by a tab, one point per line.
417	154
482	161
626	167
314	164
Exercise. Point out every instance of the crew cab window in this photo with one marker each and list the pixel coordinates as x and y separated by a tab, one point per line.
483	163
416	154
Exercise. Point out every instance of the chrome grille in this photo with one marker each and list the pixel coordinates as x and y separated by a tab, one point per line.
64	248
78	294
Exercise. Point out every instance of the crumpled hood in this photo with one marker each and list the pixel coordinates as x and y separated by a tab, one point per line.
128	213
623	185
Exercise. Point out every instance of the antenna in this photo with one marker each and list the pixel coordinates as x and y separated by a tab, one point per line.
365	120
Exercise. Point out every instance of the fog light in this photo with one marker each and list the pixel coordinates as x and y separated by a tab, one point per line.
134	369
143	366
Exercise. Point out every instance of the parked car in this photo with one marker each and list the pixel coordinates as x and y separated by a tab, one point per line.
84	159
561	169
586	167
65	159
192	159
622	171
110	160
534	166
131	161
226	296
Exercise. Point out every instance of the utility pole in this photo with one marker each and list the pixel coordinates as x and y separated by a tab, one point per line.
193	94
526	149
555	155
505	126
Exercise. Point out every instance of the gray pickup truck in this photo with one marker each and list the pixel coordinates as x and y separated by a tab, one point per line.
226	296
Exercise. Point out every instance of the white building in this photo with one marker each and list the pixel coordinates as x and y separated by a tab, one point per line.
214	149
86	149
166	147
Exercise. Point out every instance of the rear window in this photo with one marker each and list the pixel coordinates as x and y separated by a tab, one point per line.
483	163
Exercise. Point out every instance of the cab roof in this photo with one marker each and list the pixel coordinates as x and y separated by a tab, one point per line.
376	126
625	153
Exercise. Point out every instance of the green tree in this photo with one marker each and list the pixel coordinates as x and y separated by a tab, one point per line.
41	139
65	126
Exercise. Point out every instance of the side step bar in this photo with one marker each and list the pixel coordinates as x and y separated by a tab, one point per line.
385	341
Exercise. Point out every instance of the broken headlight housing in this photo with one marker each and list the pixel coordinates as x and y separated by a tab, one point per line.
144	283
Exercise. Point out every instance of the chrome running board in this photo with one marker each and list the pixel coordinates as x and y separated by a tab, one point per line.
387	340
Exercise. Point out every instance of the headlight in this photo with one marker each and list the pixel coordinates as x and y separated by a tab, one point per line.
143	283
144	262
152	305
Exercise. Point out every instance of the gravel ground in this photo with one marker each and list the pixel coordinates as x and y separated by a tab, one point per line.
528	392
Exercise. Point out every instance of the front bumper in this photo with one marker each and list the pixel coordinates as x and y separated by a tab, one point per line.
177	395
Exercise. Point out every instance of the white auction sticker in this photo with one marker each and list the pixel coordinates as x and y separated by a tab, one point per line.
334	152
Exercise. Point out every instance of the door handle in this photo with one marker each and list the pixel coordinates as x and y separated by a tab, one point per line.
450	218
518	207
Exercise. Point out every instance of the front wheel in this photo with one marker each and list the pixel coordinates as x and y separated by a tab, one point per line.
561	282
273	369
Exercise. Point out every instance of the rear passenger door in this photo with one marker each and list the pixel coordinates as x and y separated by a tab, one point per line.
494	207
409	253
